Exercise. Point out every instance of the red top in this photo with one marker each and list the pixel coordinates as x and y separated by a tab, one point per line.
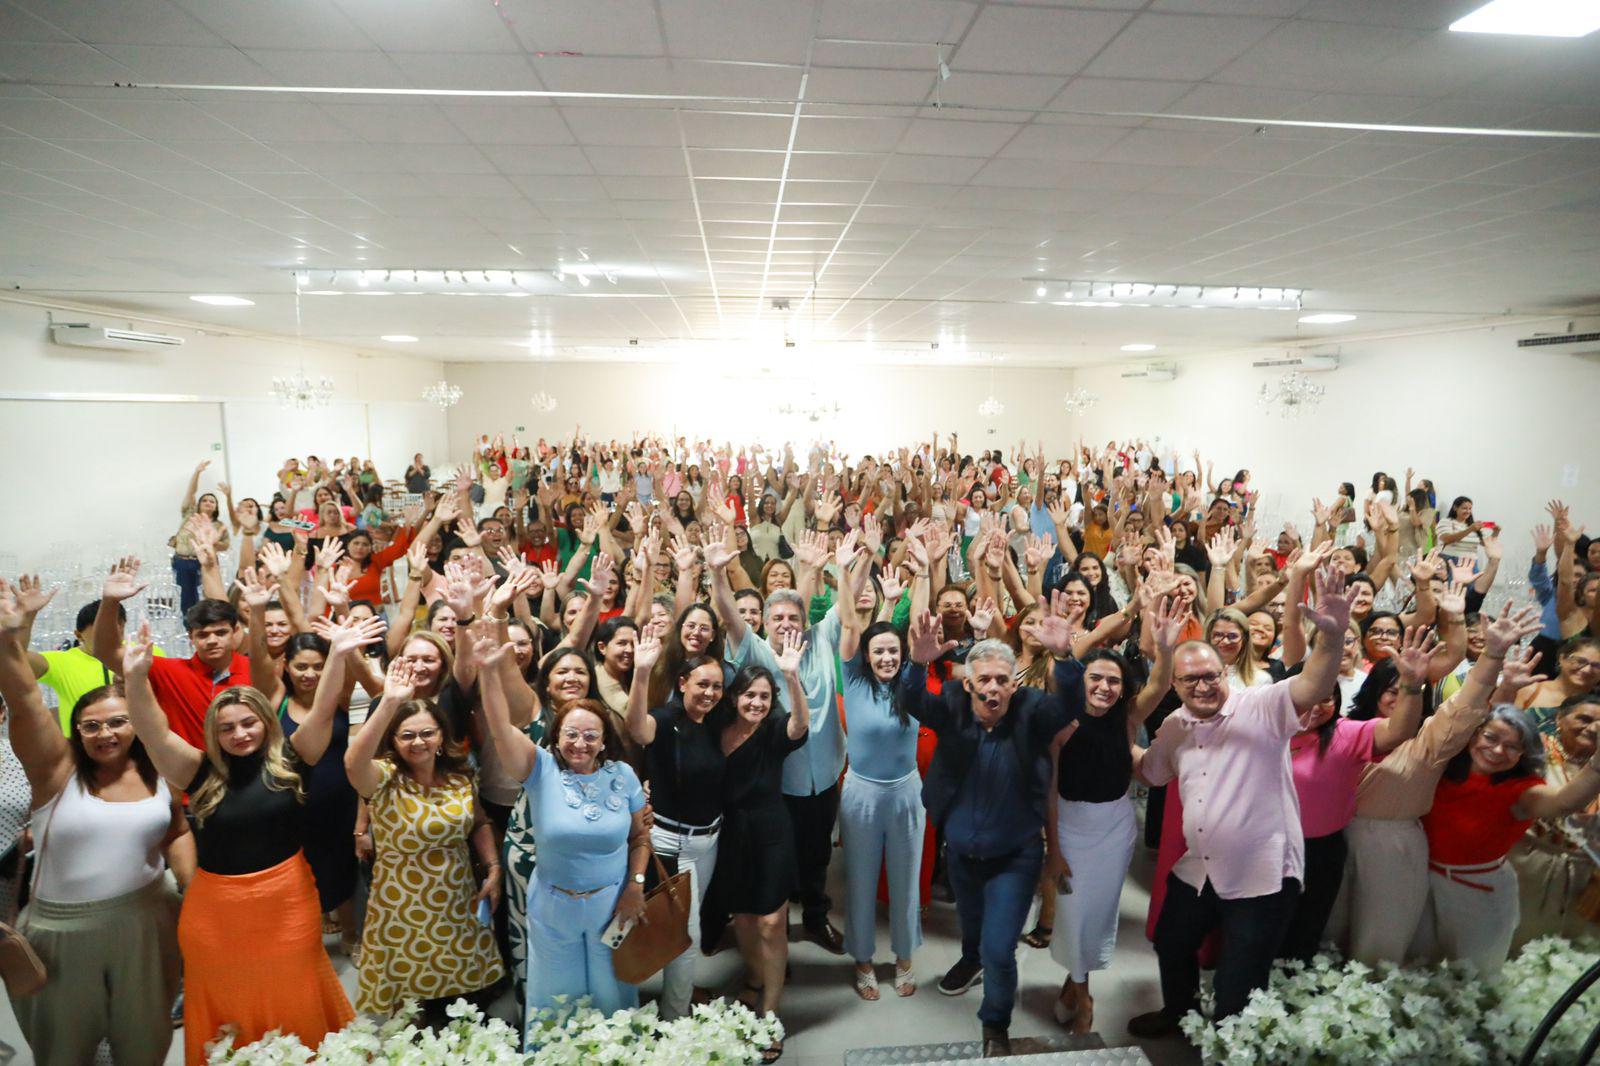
1471	821
544	553
185	688
367	585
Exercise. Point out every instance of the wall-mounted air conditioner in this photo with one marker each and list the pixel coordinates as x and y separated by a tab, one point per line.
1308	362
1151	372
85	335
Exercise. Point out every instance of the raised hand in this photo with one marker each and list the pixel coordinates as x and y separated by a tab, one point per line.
1331	615
924	640
32	596
256	593
1167	620
1309	562
1501	633
349	636
337	590
794	649
122	583
12	616
600	574
645	652
1453	600
550	575
328	555
400	683
1543	538
812	549
1222	545
1034	554
1056	631
848	550
1416	647
468	533
889	584
137	653
1517	673
717	554
983	613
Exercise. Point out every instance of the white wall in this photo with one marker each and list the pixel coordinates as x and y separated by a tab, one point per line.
105	461
881	406
1509	427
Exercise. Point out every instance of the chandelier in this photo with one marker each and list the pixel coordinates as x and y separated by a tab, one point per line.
815	411
1078	401
1290	394
991	407
442	394
301	393
543	402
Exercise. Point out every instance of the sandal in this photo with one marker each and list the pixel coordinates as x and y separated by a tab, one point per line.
905	982
867	985
1038	936
330	925
774	1053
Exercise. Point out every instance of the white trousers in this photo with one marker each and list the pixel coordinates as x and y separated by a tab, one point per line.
1097	841
698	855
1386	887
1472	913
881	823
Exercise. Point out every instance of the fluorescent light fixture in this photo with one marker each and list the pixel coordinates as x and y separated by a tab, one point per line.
400	338
1138	347
222	301
1326	318
1533	18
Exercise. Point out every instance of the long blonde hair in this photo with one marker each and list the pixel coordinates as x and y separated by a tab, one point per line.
1248	665
275	769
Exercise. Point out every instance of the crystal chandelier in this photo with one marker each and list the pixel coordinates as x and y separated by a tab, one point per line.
1078	401
815	411
1290	394
991	407
442	394
301	393
543	402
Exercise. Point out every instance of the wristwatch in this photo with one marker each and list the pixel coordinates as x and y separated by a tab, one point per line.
638	879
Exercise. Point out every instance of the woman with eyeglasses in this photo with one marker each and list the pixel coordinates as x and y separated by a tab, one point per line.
587	812
1578	674
102	822
1387	883
1490	794
1553	863
423	939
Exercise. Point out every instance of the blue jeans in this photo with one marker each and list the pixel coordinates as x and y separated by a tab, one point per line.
992	900
186	571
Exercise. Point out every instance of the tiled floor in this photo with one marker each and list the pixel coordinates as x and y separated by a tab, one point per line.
825	1018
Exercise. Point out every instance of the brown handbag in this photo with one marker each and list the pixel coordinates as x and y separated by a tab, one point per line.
20	966
661	934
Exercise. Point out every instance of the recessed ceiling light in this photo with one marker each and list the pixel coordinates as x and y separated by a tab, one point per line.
223	301
400	338
1040	291
1326	318
1138	347
1532	18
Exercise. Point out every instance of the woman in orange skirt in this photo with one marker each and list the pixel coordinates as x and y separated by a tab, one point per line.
251	927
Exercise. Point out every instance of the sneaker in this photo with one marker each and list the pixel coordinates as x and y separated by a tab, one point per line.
1153	1025
962	976
177	1010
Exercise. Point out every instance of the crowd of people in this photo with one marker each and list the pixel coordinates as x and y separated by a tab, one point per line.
463	721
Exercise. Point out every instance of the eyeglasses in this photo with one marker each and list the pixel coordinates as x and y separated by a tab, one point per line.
1220	637
92	729
410	736
1583	664
588	736
1510	745
1198	680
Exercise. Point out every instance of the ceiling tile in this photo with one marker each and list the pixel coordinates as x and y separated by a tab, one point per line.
1027	40
739	29
955	137
594	27
1178	46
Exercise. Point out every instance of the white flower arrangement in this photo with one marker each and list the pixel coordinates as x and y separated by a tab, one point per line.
1333	1012
574	1034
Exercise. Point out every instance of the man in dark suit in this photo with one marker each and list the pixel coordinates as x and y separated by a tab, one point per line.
988	789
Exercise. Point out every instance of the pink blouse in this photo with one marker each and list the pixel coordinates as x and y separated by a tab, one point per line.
1327	783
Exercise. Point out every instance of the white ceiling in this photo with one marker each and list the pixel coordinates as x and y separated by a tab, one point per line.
739	151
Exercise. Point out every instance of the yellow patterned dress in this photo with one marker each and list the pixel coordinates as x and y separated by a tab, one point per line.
422	940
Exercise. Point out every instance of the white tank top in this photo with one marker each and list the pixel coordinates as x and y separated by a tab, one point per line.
96	849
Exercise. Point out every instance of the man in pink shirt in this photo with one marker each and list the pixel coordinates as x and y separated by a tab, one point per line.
1245	864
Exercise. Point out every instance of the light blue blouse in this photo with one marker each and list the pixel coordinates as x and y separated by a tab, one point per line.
582	822
880	747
